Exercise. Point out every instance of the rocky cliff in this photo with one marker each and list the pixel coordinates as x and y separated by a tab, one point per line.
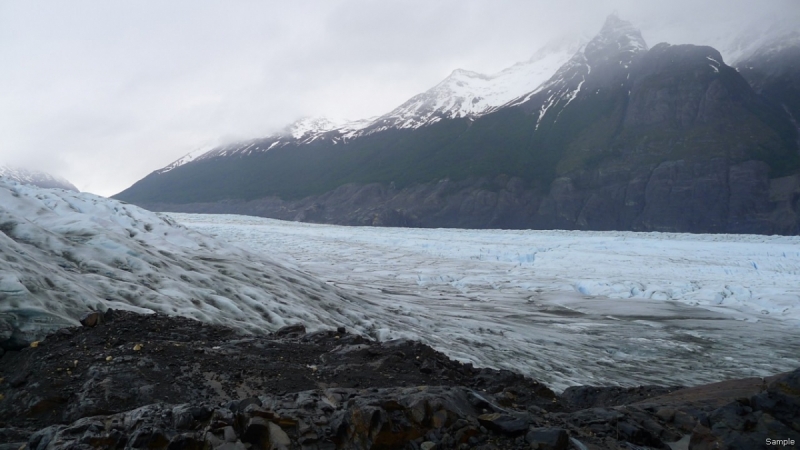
676	196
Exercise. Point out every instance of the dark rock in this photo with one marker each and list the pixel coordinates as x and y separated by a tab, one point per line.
20	379
632	433
242	405
749	423
13	445
503	423
583	397
782	400
291	330
92	319
548	438
256	432
158	396
186	442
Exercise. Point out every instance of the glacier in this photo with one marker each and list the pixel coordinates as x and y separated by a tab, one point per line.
564	307
567	308
63	254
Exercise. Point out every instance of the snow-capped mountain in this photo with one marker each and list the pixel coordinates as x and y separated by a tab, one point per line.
36	178
303	131
586	148
465	93
462	94
780	34
773	70
611	53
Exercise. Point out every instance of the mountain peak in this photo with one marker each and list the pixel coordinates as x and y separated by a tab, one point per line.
306	125
617	38
463	73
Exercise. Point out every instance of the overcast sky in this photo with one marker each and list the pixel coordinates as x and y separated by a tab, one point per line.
104	92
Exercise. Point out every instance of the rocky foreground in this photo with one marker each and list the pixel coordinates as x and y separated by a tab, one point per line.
125	380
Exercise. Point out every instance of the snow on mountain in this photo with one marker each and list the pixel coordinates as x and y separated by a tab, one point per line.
768	46
613	49
302	131
36	178
187	158
743	46
64	253
465	93
462	94
310	125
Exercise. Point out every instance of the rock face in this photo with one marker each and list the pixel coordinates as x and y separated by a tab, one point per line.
196	386
713	196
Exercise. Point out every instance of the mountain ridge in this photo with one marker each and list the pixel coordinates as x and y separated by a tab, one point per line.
611	118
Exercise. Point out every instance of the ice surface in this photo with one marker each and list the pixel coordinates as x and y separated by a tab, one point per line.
64	253
564	307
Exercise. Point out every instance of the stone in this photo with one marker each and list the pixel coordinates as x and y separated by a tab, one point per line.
685	422
242	405
185	442
256	432
231	446
295	330
6	330
278	439
504	423
439	418
548	438
666	414
229	434
92	319
427	445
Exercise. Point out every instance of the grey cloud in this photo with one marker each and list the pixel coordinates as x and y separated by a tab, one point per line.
102	93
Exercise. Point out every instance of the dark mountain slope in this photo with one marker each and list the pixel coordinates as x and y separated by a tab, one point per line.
773	71
620	137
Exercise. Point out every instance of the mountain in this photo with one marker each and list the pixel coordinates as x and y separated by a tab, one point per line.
773	70
470	94
35	178
462	94
619	137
